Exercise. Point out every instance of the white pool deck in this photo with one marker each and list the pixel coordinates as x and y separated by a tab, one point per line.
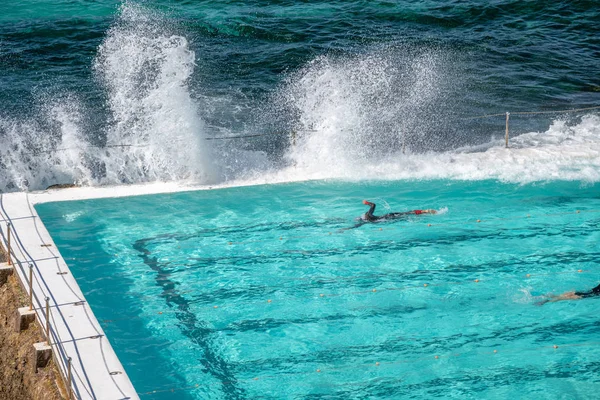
97	372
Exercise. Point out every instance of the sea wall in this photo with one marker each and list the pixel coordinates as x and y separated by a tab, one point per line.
18	378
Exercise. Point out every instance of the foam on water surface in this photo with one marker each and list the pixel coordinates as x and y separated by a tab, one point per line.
389	111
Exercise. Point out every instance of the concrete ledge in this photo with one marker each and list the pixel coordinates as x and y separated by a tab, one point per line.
24	317
73	319
5	271
42	353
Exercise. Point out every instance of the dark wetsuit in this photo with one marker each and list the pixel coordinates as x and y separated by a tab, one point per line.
372	218
591	293
369	217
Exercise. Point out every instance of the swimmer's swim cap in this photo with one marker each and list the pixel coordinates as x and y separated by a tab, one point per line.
365	202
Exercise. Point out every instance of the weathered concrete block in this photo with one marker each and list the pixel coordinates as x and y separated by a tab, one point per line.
42	353
5	271
24	318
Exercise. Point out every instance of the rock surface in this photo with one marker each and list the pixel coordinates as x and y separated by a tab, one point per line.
18	379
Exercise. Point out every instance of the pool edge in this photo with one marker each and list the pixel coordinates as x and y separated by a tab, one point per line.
76	333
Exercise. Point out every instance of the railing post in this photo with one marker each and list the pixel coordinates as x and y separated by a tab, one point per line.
30	287
48	320
506	138
8	250
69	391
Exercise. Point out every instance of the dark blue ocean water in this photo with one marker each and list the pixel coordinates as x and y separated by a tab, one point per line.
86	74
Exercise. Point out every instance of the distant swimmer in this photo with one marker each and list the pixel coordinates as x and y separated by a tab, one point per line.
571	296
369	217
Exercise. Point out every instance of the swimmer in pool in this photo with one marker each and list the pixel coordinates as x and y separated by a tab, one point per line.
571	296
369	217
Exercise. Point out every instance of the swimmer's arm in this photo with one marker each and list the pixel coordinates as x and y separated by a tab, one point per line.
371	207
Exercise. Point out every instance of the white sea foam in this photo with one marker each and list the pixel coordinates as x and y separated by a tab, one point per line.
529	160
34	155
374	116
371	116
562	152
358	109
145	71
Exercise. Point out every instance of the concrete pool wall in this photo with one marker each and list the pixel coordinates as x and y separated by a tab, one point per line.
78	342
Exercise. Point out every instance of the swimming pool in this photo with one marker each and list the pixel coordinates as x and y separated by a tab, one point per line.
261	292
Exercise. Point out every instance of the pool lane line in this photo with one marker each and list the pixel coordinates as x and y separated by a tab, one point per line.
214	365
496	350
258	379
299	383
378	364
534	231
278	301
187	265
336	278
429	224
352	277
423	285
401	227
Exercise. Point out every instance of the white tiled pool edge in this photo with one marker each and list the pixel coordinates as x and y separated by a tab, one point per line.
97	373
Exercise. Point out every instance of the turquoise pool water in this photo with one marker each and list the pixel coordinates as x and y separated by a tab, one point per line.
259	292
